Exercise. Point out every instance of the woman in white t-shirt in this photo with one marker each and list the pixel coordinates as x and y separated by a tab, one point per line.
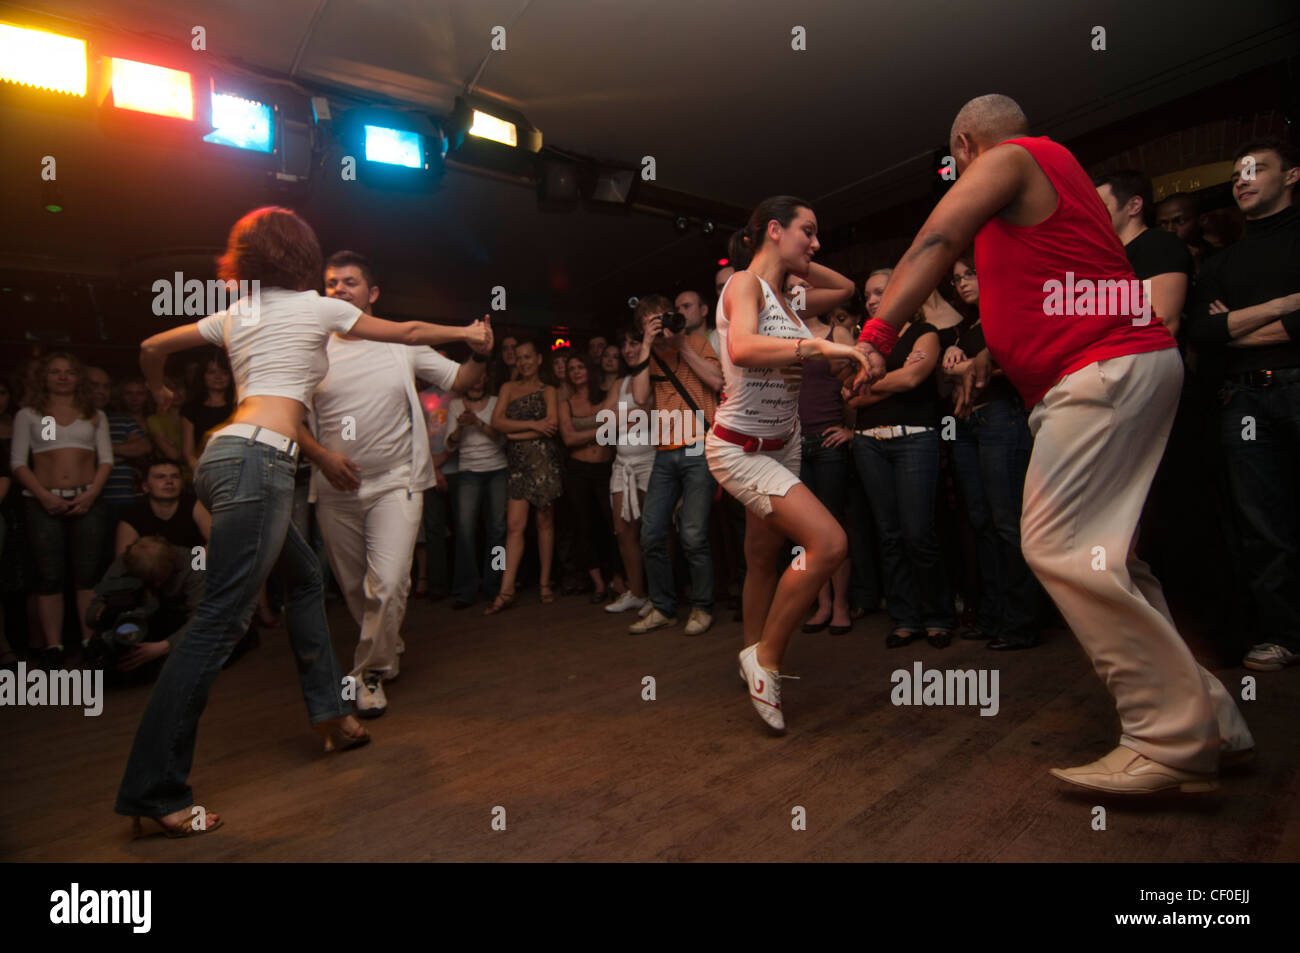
630	477
481	486
275	337
753	448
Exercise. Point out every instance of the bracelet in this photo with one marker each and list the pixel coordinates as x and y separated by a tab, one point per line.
638	368
798	346
478	358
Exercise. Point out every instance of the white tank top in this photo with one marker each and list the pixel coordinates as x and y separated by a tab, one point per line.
761	401
628	452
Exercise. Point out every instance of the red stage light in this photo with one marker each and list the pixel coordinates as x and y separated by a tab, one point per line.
145	88
724	262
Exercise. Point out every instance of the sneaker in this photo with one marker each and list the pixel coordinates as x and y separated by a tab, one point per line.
646	609
371	702
655	620
699	622
1270	657
626	601
764	688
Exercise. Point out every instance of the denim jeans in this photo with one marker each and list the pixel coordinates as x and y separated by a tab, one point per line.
1263	476
248	488
435	538
678	475
475	490
827	472
991	453
900	476
56	542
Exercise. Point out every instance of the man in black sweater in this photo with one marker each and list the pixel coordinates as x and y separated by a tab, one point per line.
1247	305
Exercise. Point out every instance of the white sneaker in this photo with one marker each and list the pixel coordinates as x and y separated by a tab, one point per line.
624	602
699	622
1270	657
646	609
764	688
371	702
655	620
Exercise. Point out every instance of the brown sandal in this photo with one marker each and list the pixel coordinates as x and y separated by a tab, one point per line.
336	739
183	829
501	603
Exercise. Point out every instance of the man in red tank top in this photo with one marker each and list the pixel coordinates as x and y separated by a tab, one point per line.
1065	320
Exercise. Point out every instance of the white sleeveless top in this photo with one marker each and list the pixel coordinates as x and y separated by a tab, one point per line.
633	454
761	401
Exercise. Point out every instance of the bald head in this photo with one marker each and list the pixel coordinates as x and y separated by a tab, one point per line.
988	120
981	124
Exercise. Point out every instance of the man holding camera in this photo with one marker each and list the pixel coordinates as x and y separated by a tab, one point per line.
683	375
143	606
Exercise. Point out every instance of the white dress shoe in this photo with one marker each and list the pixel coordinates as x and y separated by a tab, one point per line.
1124	771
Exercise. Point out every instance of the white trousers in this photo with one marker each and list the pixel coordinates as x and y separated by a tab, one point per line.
369	541
1099	436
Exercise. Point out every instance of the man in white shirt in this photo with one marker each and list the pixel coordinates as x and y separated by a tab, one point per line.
372	465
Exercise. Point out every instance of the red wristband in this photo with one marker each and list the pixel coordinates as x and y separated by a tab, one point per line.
879	334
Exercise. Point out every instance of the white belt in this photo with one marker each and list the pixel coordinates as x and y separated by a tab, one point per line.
889	433
258	435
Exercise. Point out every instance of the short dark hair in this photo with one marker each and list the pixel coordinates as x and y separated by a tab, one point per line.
1127	183
275	246
345	258
650	304
157	461
1289	152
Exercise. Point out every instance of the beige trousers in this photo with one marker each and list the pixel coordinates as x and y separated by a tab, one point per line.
369	541
1099	434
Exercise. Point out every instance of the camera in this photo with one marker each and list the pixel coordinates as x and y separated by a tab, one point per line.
119	616
674	322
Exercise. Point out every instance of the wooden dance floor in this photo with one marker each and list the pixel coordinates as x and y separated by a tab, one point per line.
539	710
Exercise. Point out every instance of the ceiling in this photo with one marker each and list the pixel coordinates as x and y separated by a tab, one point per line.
711	88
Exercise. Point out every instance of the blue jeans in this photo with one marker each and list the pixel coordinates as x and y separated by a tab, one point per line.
900	476
827	471
248	488
676	475
1263	476
487	490
991	454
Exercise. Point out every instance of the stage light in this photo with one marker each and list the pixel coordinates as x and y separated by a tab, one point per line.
241	123
681	223
44	60
708	228
394	147
143	87
724	262
487	126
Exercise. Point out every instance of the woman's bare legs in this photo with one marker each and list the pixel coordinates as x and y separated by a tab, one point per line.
763	546
545	542
629	546
800	517
516	525
833	600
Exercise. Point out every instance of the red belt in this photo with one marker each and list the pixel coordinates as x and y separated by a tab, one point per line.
747	443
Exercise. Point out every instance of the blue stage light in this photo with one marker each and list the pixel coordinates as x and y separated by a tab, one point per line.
241	123
394	147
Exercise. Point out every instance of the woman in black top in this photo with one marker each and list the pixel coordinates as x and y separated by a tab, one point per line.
992	454
896	450
214	401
